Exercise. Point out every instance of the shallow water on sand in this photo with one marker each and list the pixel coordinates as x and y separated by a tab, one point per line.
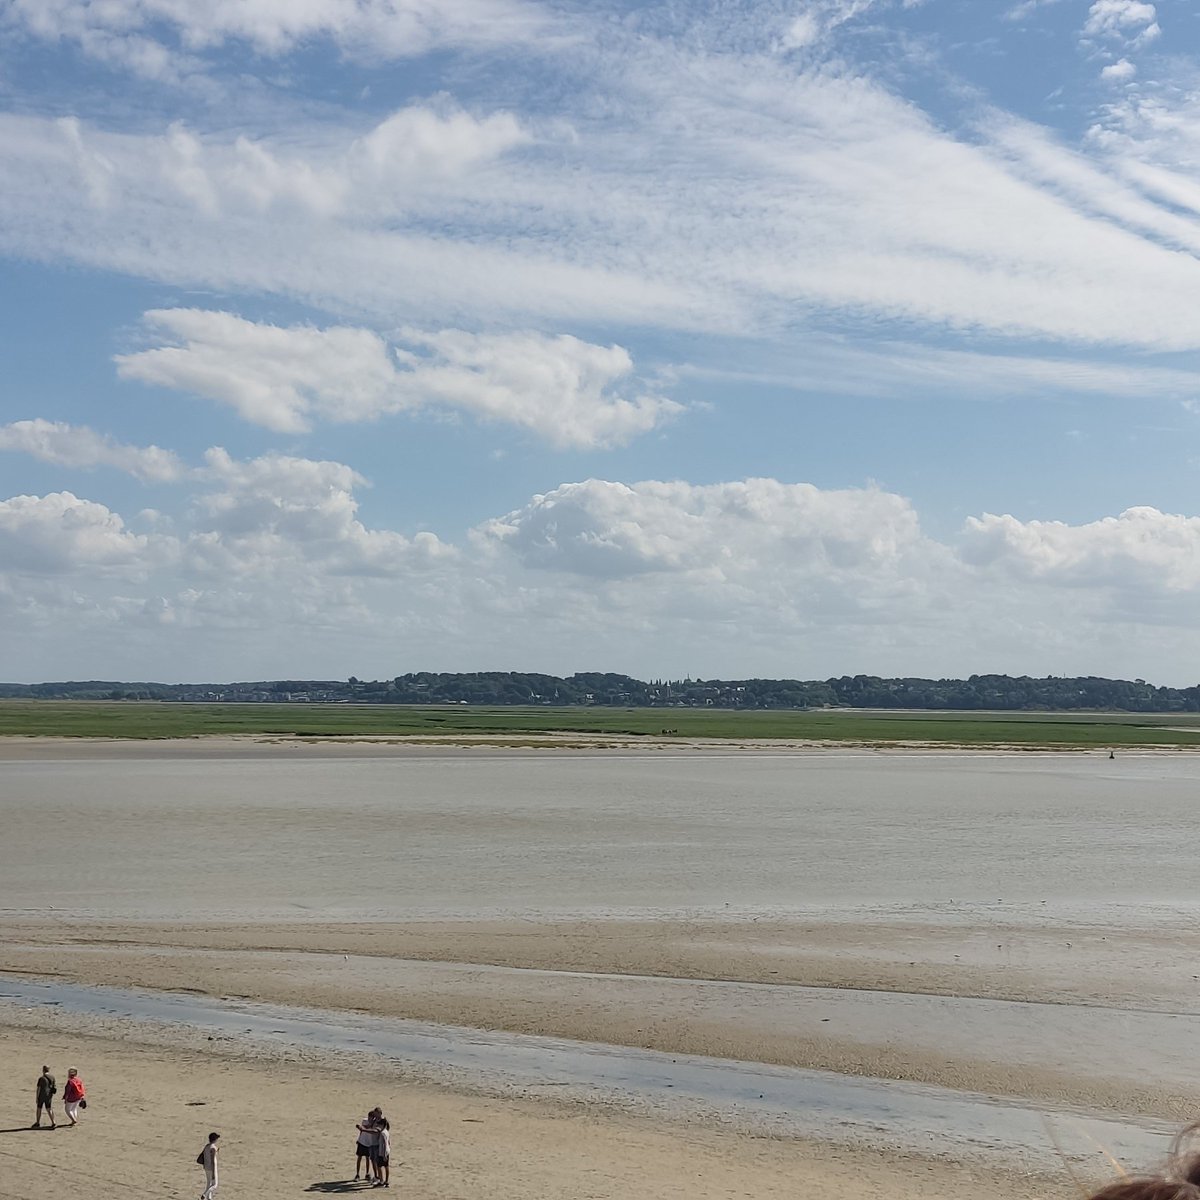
776	1100
480	833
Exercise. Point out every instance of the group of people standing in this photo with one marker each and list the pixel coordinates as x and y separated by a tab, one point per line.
74	1097
373	1150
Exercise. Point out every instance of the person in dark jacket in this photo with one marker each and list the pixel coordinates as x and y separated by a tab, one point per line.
46	1087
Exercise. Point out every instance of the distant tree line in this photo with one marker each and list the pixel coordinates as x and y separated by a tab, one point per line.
609	690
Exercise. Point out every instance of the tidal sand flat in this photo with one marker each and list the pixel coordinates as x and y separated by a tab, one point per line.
1017	925
474	834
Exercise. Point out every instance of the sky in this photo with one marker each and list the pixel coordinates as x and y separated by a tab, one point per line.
721	338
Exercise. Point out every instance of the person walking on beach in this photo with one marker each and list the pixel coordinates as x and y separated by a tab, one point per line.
46	1087
364	1148
383	1154
74	1096
207	1158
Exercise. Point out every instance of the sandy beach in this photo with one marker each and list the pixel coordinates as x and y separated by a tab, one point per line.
961	922
287	1129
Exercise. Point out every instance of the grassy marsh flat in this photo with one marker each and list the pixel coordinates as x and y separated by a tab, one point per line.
155	720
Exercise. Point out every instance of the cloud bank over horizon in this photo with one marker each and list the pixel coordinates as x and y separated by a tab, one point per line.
796	580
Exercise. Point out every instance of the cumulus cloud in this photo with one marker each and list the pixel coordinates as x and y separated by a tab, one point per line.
567	391
61	533
1142	548
721	531
1132	21
273	571
280	378
1122	71
277	512
78	446
418	140
275	517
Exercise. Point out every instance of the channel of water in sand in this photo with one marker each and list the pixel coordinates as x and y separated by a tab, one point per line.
773	1100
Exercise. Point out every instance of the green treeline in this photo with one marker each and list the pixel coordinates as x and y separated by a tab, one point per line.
979	692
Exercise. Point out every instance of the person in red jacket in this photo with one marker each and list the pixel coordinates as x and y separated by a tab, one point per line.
73	1096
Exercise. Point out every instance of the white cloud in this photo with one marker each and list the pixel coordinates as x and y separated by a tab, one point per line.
61	533
78	446
564	390
402	162
830	367
773	570
418	140
820	18
281	519
722	532
140	56
1026	8
277	513
1132	21
274	573
143	34
764	204
275	377
1122	71
1142	549
804	30
1149	136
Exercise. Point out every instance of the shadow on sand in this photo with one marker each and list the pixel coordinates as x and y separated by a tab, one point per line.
338	1186
28	1129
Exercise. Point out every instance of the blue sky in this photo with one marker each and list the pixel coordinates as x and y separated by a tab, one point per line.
729	338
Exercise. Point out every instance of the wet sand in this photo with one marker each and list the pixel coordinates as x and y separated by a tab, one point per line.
17	748
1053	1033
287	1120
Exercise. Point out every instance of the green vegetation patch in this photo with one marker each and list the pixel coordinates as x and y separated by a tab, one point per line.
131	719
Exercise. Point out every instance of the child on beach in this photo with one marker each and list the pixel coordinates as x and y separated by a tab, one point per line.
383	1154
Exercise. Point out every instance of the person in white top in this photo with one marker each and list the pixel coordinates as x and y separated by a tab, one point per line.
363	1150
383	1154
368	1143
207	1158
